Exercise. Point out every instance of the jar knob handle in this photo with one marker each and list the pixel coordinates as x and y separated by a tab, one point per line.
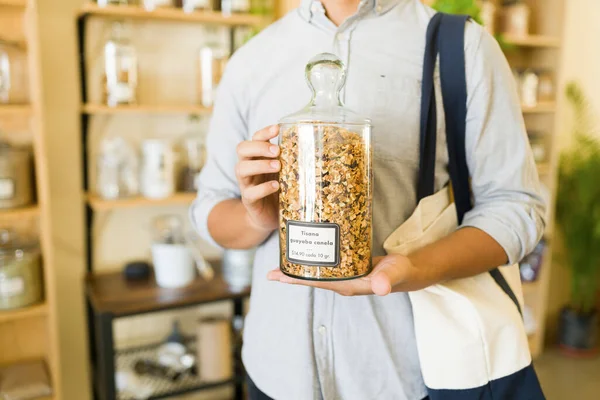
326	76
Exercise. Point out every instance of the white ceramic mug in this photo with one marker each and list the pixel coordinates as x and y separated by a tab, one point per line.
174	265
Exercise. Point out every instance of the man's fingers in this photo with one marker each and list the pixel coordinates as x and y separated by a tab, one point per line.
249	168
255	193
267	133
251	149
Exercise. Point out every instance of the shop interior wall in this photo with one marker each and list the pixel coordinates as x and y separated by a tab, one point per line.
580	63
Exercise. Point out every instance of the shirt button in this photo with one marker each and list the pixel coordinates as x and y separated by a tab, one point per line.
322	330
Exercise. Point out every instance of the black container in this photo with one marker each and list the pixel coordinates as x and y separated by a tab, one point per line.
578	333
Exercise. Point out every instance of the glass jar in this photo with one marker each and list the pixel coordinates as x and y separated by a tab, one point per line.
488	15
539	146
516	18
325	182
16	176
104	3
212	59
120	68
158	169
529	88
20	271
229	7
4	76
151	5
189	6
194	151
546	91
117	169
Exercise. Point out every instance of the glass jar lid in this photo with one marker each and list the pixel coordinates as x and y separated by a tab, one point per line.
13	245
326	76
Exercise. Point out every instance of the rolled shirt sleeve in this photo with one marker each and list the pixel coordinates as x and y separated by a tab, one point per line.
217	181
508	204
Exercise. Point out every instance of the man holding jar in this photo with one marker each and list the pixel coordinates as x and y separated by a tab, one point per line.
355	339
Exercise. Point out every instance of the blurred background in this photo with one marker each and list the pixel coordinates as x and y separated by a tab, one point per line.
103	112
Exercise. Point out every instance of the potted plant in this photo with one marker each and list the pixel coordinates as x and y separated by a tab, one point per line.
578	217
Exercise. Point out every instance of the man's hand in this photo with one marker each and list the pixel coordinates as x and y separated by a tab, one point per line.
257	174
393	273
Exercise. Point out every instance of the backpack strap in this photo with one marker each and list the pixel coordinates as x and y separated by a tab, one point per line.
446	36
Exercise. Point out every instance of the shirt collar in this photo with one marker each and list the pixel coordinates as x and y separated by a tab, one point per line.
309	7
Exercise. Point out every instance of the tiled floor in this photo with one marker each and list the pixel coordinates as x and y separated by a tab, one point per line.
566	378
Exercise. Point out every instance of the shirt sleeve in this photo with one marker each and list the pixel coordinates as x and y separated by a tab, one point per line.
228	127
508	204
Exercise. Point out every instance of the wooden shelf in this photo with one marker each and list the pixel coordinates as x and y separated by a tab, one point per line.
543	168
15	109
172	14
111	293
19	213
100	109
530	288
533	41
37	310
541	107
99	204
13	3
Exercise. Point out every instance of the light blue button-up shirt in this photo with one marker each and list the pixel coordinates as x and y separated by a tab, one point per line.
303	343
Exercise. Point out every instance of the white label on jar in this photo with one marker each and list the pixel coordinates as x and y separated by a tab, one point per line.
12	287
7	188
316	244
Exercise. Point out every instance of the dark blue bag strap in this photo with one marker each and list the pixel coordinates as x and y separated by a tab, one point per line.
446	36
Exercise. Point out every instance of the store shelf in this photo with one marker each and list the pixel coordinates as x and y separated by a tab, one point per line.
99	109
19	213
13	3
111	293
162	388
541	107
172	14
37	310
543	168
15	109
533	41
99	204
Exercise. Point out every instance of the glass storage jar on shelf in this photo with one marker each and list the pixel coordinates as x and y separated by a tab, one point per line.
16	176
194	155
325	198
212	59
158	169
120	68
117	169
189	6
151	5
104	3
4	76
516	18
229	7
20	271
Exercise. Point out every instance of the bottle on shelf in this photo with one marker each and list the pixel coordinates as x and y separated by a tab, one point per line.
212	59
117	169
120	68
516	15
194	155
158	169
229	7
104	3
151	5
4	77
189	6
16	176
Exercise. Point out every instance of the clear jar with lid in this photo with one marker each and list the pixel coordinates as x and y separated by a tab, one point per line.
4	76
325	198
20	271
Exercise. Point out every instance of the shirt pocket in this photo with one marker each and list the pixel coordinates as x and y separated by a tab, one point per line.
395	114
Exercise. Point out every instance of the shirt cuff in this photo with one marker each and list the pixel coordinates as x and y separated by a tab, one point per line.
499	232
199	211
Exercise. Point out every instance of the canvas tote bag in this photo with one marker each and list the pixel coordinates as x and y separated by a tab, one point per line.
470	335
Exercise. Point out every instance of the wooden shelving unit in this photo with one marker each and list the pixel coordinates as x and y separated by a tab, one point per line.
533	41
100	109
31	332
15	109
19	213
544	107
173	15
99	205
38	310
